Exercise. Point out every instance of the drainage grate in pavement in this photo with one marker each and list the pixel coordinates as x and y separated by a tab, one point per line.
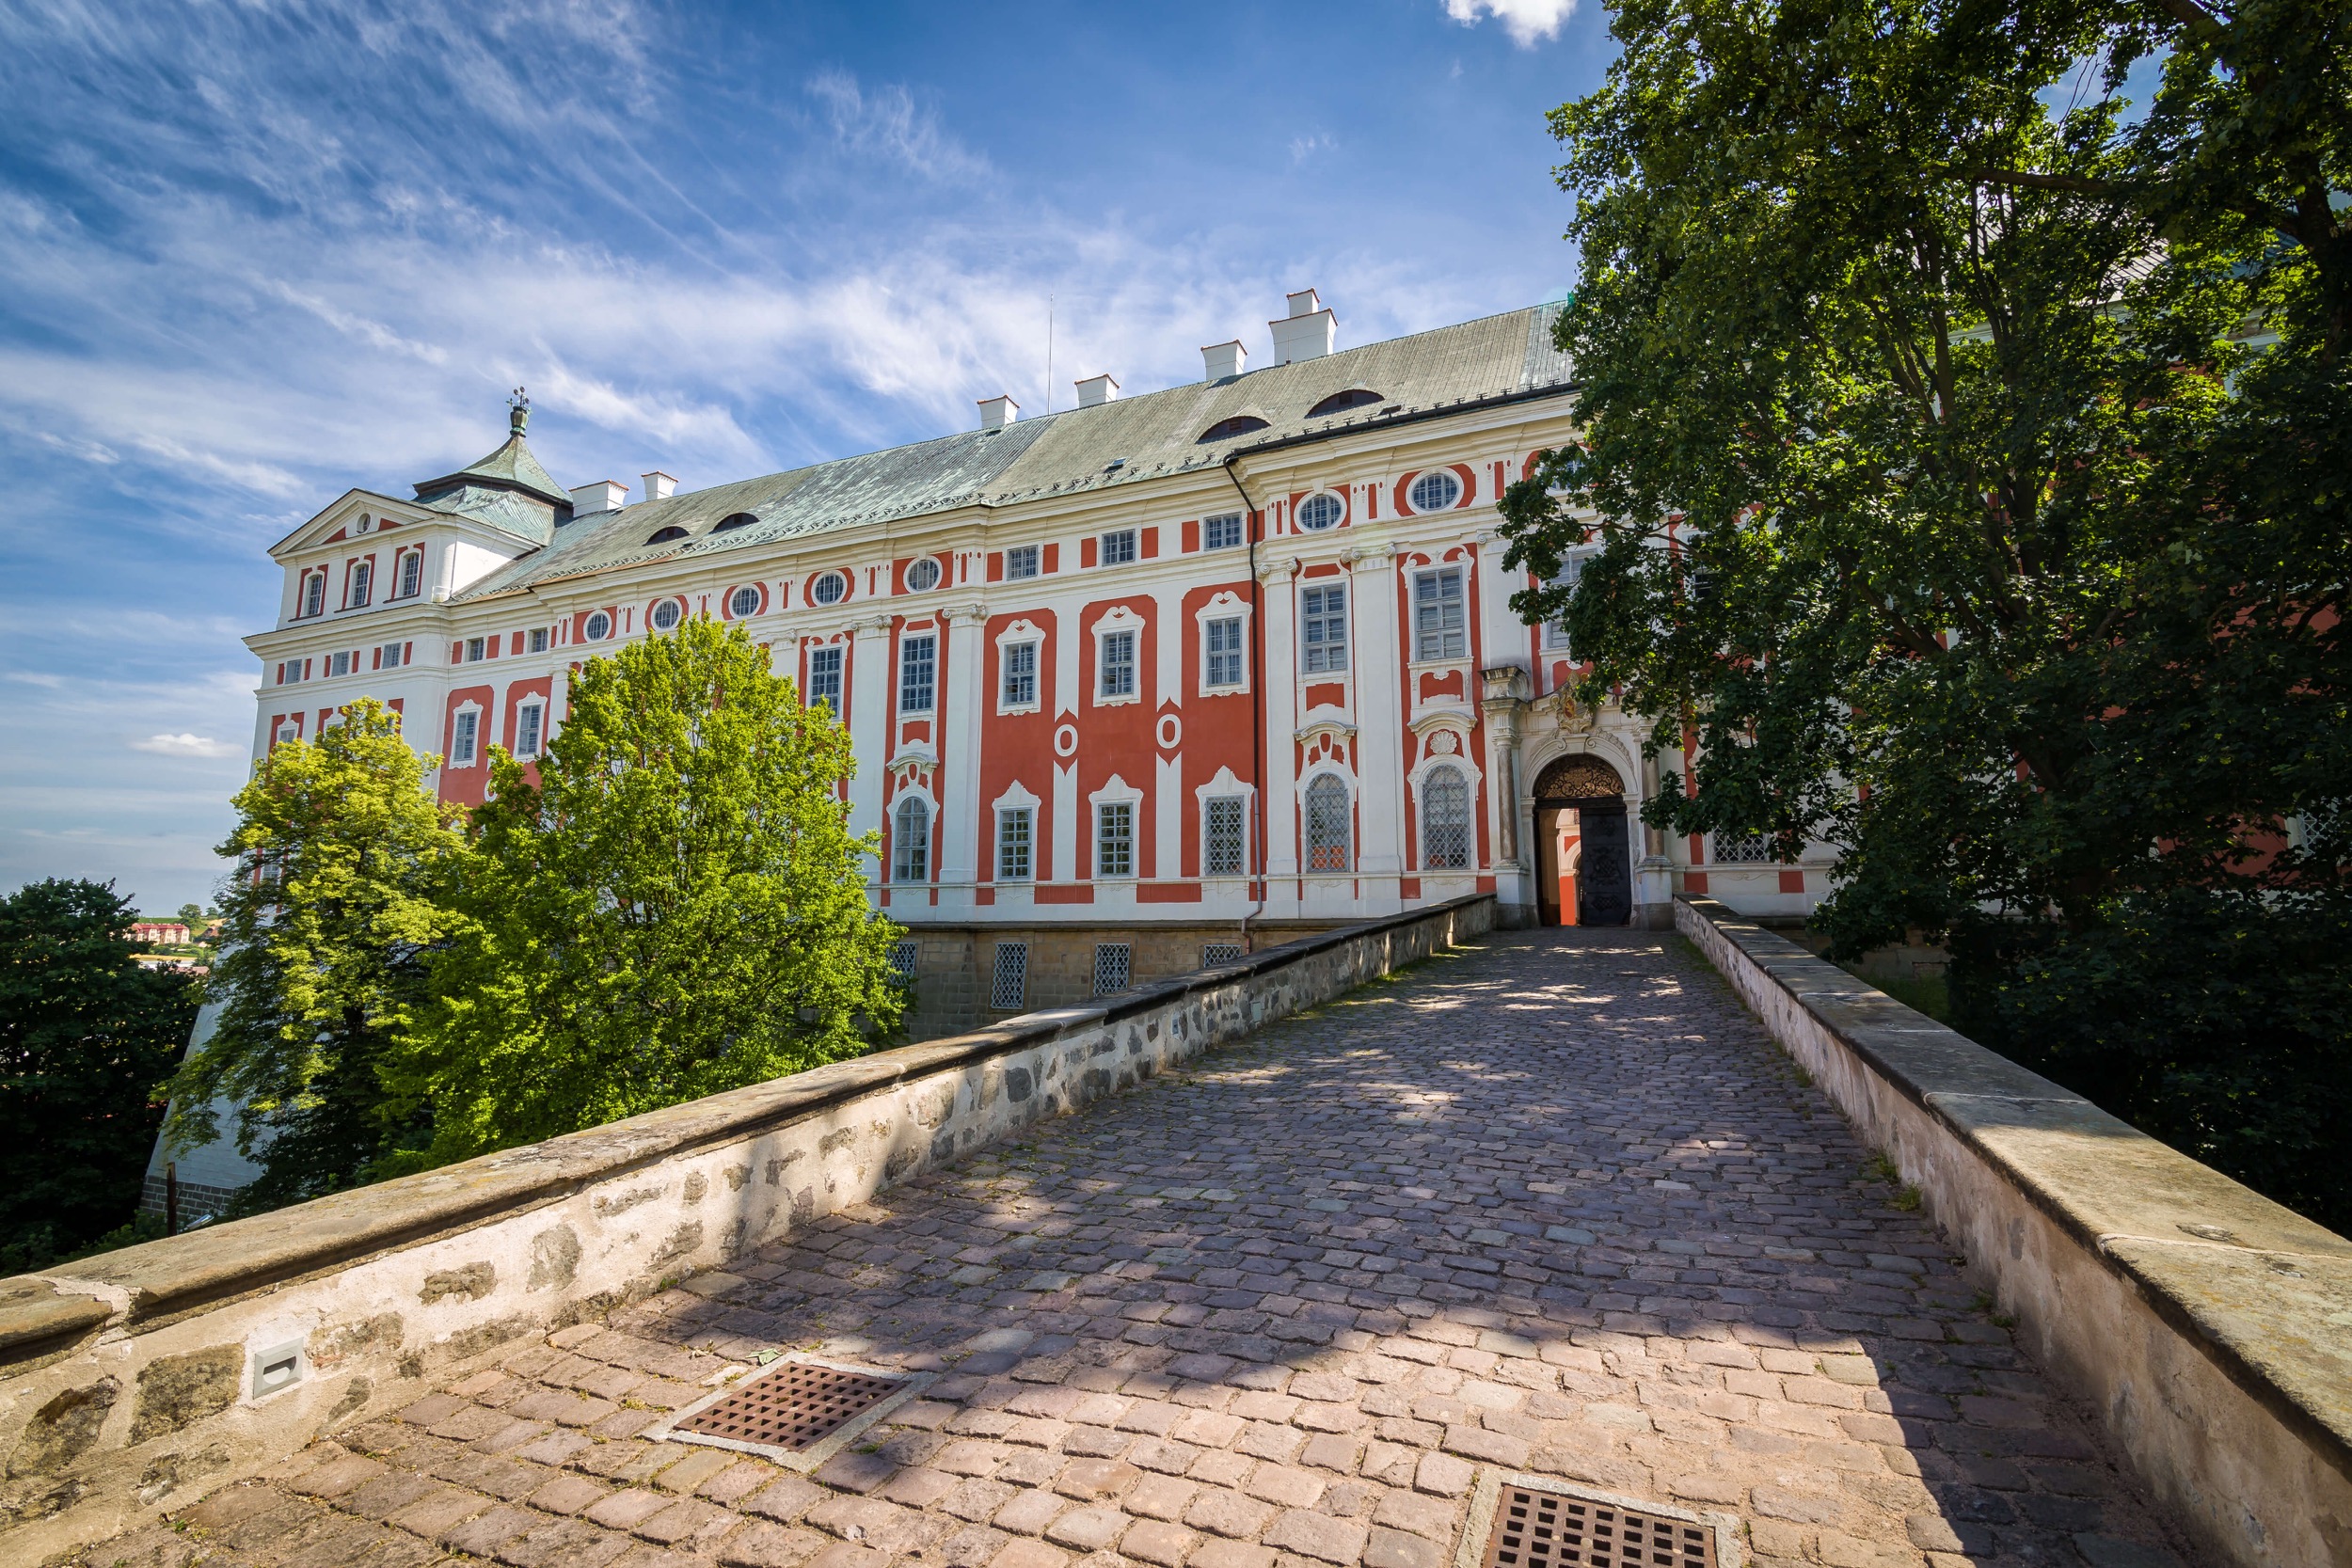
799	1411
1534	1529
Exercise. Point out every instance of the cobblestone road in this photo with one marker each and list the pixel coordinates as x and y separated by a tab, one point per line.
1550	1204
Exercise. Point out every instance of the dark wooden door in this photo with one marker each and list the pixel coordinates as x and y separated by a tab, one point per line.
1604	886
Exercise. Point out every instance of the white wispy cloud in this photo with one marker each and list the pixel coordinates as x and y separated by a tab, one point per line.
186	746
1526	21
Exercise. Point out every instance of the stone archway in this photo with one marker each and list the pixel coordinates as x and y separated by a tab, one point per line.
1588	787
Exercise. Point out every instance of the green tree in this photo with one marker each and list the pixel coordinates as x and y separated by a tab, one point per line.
339	890
88	1036
1967	478
675	907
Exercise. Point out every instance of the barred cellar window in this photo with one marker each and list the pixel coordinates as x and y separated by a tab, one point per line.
1215	953
1112	963
903	955
1744	849
1329	834
1009	983
1444	821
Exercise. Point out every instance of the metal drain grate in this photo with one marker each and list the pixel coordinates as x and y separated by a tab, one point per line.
795	1408
1547	1530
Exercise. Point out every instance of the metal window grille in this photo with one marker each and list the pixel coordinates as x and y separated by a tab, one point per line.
1224	652
1217	952
911	842
1440	620
538	639
1020	562
1113	961
903	957
1434	491
824	678
411	573
1118	547
1119	664
1221	837
362	580
918	674
1317	513
1744	849
1327	827
1221	533
1324	614
1444	821
461	745
1020	683
1115	839
1014	842
527	721
1008	985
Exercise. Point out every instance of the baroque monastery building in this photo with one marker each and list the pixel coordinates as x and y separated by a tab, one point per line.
1129	685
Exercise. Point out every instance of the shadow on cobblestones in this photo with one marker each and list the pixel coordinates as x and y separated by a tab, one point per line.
1554	1203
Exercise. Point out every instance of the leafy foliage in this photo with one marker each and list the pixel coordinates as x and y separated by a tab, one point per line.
675	907
88	1036
1966	462
340	888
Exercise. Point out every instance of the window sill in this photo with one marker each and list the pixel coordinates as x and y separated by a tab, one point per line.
1117	701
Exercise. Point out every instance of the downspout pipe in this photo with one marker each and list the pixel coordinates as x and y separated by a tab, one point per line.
1250	517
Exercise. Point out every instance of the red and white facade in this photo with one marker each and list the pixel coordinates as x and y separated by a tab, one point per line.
1106	674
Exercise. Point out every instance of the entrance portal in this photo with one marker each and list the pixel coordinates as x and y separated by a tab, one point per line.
1583	854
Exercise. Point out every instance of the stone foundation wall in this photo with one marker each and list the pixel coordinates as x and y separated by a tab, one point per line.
2209	1329
133	1383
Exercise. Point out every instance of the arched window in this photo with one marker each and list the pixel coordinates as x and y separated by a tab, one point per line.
411	573
1339	403
664	535
1445	835
733	521
1327	829
911	842
1240	424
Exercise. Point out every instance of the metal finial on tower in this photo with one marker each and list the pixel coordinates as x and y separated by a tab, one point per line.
519	411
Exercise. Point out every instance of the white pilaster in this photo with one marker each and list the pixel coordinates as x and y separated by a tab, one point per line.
870	679
1279	801
959	773
1380	716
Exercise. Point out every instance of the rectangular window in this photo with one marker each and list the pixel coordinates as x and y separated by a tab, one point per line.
1221	533
1322	614
1020	562
1014	838
290	672
461	744
918	674
824	678
1114	963
1115	839
527	724
1118	547
392	655
538	639
1216	954
362	581
313	593
1008	985
1556	633
338	664
411	574
1019	682
1744	849
1440	622
474	650
1221	840
1222	640
1119	664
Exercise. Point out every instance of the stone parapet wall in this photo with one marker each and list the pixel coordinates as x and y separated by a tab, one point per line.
2209	1329
133	1383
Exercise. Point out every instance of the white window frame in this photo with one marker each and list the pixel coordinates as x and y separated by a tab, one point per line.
1022	563
530	728
907	643
1006	818
465	741
588	624
1423	784
1019	635
1240	530
1119	619
1116	791
900	841
392	655
408	573
310	595
1436	572
359	591
937	574
1306	823
831	574
538	639
653	613
840	667
735	595
1452	501
1130	546
1309	652
1299	513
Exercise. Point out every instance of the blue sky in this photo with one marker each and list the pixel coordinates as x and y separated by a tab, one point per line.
253	254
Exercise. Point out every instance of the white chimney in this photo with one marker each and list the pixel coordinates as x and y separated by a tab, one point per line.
1307	333
659	486
1224	361
605	494
998	412
1096	389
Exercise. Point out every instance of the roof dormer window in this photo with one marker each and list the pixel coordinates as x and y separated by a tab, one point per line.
739	519
664	535
1239	424
1339	403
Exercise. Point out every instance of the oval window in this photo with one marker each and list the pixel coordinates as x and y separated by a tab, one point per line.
1434	491
831	588
597	628
665	615
739	519
1321	511
664	535
744	601
922	575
